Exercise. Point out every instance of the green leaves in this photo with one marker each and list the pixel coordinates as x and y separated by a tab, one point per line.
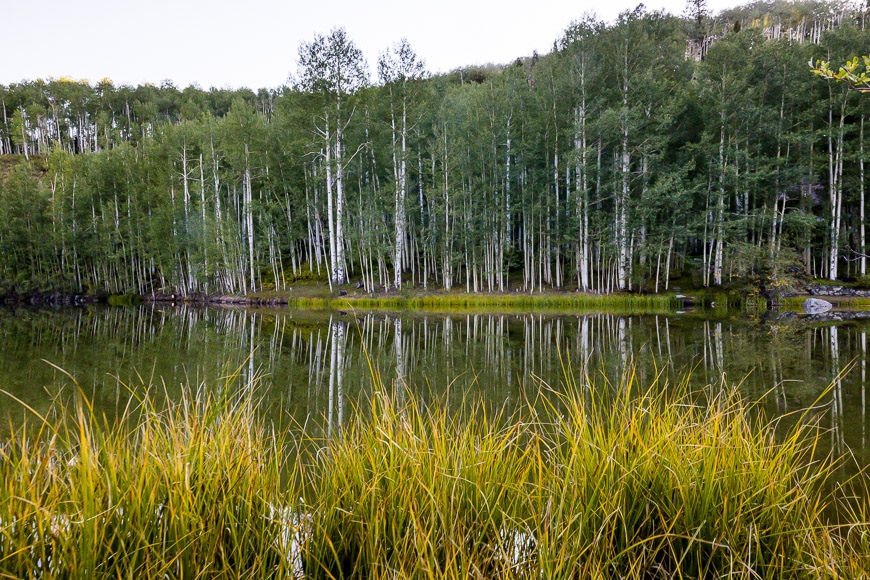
332	64
850	72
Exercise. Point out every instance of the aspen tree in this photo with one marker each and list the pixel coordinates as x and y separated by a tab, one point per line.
399	69
333	68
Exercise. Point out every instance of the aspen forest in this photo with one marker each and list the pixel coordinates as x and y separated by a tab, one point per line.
636	153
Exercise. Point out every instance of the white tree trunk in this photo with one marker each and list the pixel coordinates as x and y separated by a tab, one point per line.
330	208
720	211
622	237
339	273
861	177
581	197
401	184
249	218
835	173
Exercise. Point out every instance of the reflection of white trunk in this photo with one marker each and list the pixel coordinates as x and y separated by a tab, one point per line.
778	383
401	376
584	343
622	343
706	346
668	341
336	372
316	354
837	395
448	331
864	389
251	349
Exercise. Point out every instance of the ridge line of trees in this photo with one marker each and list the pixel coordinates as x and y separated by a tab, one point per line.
613	163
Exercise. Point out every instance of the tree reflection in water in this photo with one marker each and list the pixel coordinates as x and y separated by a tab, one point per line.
316	367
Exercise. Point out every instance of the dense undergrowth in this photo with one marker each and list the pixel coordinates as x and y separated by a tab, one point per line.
591	480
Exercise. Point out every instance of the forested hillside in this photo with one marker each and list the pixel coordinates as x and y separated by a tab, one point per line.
616	162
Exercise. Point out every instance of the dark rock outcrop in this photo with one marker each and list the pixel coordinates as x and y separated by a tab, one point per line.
821	290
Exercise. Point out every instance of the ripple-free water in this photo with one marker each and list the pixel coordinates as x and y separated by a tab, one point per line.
316	367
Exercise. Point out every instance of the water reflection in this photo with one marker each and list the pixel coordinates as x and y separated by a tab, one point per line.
863	389
317	368
335	412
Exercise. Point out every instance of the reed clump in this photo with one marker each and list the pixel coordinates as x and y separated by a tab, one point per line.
410	493
591	480
182	490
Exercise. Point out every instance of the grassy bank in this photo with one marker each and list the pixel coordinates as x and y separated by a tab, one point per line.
795	303
594	481
462	302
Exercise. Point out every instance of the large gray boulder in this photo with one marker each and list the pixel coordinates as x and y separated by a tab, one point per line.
816	306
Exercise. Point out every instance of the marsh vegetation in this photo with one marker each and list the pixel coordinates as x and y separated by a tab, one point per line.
596	480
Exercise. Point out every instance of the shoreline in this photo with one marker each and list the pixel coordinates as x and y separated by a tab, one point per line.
317	297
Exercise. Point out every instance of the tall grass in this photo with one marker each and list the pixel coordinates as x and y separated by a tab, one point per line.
417	494
179	492
678	484
591	480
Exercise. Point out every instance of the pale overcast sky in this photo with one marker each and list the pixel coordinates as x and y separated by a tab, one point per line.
254	43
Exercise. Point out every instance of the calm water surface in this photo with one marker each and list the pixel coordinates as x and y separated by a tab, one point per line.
316	367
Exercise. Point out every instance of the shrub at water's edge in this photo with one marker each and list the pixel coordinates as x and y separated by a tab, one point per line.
596	480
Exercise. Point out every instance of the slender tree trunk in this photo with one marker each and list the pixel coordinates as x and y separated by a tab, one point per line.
401	184
720	209
835	187
339	273
249	218
205	234
861	189
330	210
622	237
581	197
447	259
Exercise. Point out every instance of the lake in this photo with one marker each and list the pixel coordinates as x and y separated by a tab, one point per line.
315	368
